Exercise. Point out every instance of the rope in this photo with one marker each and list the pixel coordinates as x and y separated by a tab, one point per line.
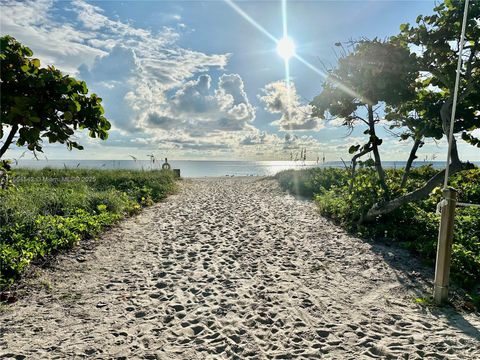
440	205
455	93
468	205
444	202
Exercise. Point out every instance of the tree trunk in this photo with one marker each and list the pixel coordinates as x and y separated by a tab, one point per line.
376	154
411	158
445	114
455	166
421	193
8	140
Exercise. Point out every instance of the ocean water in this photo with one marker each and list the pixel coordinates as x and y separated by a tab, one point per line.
203	168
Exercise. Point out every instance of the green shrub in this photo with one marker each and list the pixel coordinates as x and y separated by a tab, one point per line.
52	209
466	246
414	224
312	181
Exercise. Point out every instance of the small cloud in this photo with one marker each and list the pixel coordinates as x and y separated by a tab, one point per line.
254	139
280	98
337	122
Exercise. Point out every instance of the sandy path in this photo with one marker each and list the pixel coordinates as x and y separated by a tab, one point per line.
233	269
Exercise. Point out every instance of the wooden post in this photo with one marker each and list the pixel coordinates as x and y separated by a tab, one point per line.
444	247
176	172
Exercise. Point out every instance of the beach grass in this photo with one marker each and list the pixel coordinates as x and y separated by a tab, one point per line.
51	209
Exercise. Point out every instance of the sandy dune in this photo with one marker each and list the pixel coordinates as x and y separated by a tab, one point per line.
232	268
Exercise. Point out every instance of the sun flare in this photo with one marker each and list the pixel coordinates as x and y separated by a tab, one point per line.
286	48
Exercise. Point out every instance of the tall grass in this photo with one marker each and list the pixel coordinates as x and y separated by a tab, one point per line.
50	209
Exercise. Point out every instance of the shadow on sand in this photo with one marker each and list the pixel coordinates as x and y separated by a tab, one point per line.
418	278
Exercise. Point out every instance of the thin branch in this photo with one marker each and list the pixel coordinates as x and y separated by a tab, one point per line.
411	158
356	117
8	140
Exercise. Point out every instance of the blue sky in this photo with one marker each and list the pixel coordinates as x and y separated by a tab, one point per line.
194	79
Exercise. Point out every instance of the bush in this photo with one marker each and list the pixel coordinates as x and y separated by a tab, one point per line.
52	209
312	181
414	224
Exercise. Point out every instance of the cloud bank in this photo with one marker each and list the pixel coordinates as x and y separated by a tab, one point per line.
157	94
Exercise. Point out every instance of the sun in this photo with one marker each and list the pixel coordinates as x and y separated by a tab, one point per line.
286	48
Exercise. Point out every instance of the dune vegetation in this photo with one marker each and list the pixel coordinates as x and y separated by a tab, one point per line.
397	95
413	225
43	211
51	209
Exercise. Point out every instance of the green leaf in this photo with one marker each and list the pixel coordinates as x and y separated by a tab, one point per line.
353	149
404	27
84	87
78	107
28	52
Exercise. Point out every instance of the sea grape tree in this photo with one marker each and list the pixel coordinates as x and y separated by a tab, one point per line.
42	103
412	75
372	74
416	120
436	39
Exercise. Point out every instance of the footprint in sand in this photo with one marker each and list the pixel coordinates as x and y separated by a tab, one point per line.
232	268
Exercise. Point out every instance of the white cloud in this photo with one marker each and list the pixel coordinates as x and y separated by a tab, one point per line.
92	18
60	44
282	99
475	133
247	143
198	110
337	122
131	68
258	138
153	90
296	142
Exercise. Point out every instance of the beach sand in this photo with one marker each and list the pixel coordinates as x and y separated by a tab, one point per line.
233	268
